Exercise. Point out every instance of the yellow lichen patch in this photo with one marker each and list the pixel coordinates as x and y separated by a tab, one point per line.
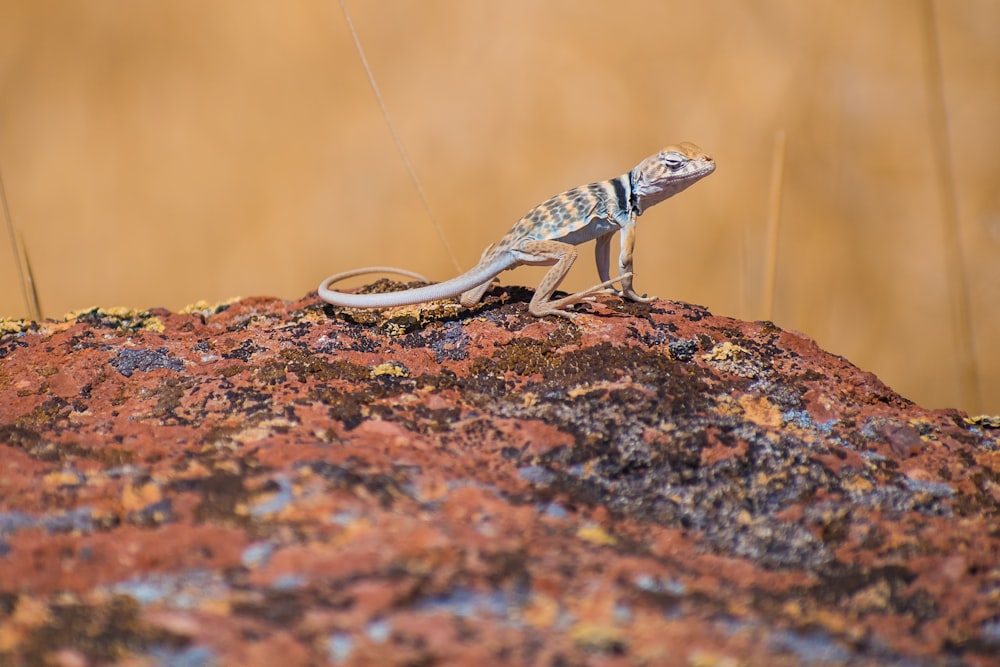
442	309
121	312
597	636
390	368
154	324
730	358
857	483
118	312
989	421
404	319
79	312
725	351
395	328
13	326
596	534
726	405
128	318
205	308
920	425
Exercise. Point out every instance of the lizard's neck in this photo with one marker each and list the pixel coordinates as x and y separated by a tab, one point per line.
633	200
645	192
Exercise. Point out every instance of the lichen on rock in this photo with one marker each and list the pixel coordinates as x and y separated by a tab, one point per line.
647	483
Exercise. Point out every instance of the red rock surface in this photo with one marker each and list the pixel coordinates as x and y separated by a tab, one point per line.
268	482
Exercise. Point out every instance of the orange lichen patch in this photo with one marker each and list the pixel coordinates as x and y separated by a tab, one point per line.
63	478
137	498
541	612
719	450
761	411
28	614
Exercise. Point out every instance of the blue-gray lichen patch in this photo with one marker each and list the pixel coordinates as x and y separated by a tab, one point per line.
129	361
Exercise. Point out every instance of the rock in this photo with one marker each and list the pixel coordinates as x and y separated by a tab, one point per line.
267	482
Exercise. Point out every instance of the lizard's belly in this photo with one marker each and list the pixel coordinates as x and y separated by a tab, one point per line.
596	227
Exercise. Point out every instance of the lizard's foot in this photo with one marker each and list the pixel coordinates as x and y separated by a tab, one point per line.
632	296
558	306
559	312
616	291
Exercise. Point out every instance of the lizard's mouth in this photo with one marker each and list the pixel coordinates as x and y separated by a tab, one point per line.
645	194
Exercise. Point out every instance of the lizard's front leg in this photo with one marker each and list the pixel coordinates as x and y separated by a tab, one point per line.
625	263
602	254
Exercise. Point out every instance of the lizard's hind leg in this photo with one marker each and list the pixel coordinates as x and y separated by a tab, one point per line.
561	256
470	298
473	296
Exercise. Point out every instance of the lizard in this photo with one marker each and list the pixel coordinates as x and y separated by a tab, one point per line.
547	236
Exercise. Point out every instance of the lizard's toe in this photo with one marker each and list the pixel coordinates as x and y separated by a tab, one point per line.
632	296
558	312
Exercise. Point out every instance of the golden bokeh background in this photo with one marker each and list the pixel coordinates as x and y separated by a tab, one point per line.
160	153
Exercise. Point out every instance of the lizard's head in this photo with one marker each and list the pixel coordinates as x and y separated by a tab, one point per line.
667	173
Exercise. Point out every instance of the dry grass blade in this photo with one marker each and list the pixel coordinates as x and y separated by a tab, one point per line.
24	275
396	140
34	304
773	222
955	264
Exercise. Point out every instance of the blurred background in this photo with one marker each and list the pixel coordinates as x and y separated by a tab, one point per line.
161	153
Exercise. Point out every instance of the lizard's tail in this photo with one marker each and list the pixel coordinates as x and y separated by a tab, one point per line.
483	272
337	277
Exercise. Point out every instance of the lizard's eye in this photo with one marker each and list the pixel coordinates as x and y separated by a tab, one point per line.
674	161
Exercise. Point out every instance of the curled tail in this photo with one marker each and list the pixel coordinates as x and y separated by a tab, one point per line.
344	275
481	273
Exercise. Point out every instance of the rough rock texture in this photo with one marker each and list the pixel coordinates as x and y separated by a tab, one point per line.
266	482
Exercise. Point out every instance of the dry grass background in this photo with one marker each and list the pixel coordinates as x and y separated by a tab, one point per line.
159	153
